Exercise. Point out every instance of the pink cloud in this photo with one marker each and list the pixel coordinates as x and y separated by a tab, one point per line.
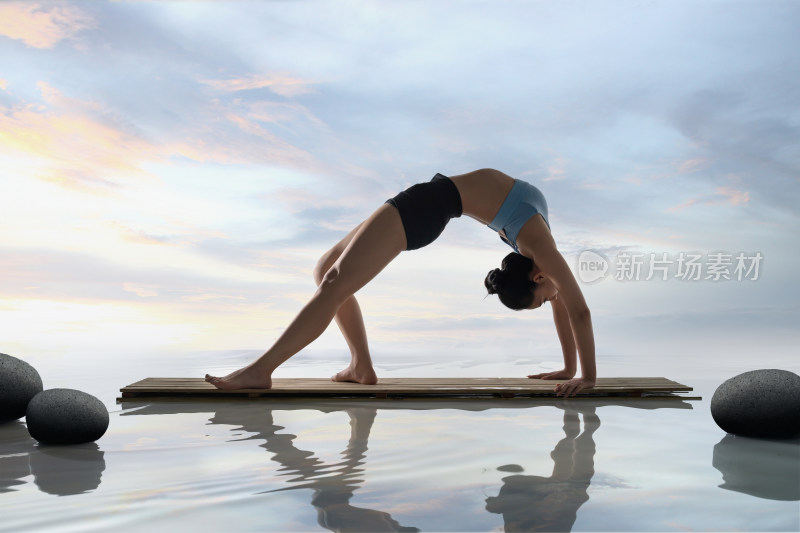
273	148
722	196
41	26
733	196
557	168
281	84
282	112
84	144
71	144
693	165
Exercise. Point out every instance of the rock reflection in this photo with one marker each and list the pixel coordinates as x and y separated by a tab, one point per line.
56	470
68	470
333	484
763	468
536	503
15	447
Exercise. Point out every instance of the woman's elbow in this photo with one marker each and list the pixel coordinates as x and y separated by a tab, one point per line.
583	314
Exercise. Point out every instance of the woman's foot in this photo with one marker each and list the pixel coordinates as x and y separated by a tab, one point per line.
248	377
365	376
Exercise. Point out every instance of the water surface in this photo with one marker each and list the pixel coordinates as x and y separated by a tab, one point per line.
389	465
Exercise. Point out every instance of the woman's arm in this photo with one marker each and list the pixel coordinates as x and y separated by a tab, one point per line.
567	340
538	242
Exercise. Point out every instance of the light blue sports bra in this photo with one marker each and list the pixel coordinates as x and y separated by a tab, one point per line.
523	201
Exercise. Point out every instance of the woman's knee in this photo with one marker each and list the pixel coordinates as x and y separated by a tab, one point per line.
320	268
330	257
324	264
334	284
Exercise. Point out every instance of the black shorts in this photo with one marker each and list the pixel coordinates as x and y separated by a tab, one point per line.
426	208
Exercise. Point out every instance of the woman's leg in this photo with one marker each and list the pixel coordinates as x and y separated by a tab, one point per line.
375	244
350	322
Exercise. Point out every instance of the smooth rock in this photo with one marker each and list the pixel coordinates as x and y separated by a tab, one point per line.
66	416
19	383
760	403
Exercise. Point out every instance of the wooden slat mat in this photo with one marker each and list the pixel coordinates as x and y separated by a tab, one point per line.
403	388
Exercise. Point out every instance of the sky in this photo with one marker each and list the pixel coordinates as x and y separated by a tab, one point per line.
171	171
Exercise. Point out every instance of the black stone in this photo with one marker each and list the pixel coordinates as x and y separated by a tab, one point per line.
19	383
66	416
760	403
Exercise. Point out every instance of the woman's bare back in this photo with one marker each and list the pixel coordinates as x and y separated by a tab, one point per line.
483	192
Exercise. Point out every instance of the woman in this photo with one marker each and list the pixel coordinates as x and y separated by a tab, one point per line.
533	274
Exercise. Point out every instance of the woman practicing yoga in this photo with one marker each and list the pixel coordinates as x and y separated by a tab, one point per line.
534	273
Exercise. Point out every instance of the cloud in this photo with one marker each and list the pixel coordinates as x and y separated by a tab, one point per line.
693	165
227	159
282	112
280	84
557	168
84	144
143	291
89	278
459	325
76	142
722	196
42	26
272	147
746	132
141	237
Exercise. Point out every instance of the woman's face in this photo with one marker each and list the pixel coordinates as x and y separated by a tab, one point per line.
545	289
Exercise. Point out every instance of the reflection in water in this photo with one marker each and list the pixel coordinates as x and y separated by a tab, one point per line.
66	470
767	469
57	470
15	446
536	503
333	485
526	502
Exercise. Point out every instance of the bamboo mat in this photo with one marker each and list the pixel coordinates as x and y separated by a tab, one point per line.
643	387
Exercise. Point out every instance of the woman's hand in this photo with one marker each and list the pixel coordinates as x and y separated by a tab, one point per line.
573	387
559	374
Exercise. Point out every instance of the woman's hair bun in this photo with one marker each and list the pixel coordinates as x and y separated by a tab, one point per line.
493	280
512	283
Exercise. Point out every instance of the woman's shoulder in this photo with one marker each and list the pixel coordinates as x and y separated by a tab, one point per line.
535	237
